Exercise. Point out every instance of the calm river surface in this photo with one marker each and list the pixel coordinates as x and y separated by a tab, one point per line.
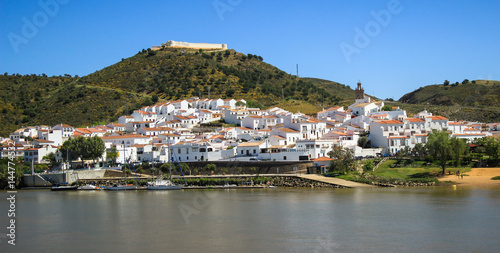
437	219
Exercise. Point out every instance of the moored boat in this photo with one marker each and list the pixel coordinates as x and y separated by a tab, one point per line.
64	187
121	187
88	187
160	184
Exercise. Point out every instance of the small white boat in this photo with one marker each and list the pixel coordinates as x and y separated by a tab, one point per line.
64	188
272	186
88	187
160	184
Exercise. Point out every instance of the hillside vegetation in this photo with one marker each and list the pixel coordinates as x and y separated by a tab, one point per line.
151	76
174	73
481	93
40	100
478	100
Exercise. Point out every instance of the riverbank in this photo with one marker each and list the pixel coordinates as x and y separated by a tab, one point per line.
221	180
476	177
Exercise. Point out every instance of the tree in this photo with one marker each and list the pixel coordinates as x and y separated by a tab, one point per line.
419	150
446	83
344	160
165	167
94	148
51	158
83	148
230	93
112	155
459	149
185	168
439	146
69	150
364	142
492	146
154	98
210	167
240	104
465	81
7	175
402	153
387	108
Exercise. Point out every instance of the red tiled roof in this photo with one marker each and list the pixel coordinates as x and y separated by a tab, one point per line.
64	125
389	122
322	159
150	129
414	120
437	117
127	136
43	141
117	125
288	130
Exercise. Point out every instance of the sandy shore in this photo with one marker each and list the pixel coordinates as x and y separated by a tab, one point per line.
476	177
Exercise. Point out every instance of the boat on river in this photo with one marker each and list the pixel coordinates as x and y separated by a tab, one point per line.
89	187
64	187
121	187
160	184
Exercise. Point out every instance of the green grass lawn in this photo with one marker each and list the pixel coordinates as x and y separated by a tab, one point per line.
417	169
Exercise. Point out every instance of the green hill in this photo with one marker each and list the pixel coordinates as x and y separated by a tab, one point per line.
481	93
341	91
478	100
40	100
176	73
149	76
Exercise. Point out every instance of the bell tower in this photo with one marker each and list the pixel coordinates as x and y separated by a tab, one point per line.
359	92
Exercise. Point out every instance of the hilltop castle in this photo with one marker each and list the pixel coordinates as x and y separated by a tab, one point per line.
178	44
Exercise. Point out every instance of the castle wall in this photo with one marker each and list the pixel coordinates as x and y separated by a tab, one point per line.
172	43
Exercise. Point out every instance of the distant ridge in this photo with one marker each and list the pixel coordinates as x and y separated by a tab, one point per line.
477	93
477	100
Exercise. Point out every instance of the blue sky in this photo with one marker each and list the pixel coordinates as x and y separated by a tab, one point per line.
392	47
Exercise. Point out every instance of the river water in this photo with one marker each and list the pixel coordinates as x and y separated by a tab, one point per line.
437	219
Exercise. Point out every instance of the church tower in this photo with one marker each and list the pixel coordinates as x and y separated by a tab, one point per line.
359	92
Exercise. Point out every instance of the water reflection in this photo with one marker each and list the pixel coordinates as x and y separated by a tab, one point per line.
300	220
